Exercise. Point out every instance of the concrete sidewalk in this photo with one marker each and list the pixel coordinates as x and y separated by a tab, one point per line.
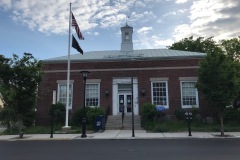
121	134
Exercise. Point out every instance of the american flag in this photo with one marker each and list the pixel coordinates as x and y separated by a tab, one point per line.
74	24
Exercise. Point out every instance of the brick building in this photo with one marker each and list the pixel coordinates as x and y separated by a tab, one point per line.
161	76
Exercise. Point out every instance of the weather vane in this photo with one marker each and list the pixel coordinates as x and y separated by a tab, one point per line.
127	18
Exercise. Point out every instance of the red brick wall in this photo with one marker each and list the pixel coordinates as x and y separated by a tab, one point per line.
122	69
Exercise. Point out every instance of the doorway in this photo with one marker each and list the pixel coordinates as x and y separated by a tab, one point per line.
122	96
125	103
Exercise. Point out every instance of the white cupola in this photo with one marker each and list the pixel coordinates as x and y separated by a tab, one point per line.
127	32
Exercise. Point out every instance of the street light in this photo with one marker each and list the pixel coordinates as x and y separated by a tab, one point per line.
133	133
52	112
188	116
84	119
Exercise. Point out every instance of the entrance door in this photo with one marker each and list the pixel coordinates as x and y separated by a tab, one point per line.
121	88
125	102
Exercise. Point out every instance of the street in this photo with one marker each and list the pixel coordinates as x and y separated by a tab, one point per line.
165	149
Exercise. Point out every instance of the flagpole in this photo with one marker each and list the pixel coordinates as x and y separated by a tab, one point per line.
68	70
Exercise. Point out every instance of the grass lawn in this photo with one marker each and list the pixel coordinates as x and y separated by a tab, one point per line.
41	130
167	126
180	126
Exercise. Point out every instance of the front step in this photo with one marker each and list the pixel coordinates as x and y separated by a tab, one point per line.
115	122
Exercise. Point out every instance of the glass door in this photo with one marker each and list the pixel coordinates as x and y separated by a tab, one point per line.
125	102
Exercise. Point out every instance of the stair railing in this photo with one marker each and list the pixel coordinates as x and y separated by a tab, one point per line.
123	115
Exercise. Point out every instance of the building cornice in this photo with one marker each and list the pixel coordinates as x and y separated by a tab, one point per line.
124	69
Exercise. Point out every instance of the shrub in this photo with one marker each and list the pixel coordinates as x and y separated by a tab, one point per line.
11	131
180	114
232	114
160	115
149	125
195	111
8	117
91	114
148	113
77	116
161	127
59	113
29	118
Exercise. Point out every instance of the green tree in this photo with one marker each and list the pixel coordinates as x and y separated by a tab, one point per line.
219	73
20	79
200	44
232	48
218	81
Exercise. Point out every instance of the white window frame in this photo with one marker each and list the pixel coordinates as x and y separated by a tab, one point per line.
167	98
196	92
70	89
97	97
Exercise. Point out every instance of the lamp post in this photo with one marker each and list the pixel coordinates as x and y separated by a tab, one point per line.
52	112
84	119
133	133
188	116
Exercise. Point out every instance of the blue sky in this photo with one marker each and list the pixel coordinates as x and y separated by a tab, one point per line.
40	27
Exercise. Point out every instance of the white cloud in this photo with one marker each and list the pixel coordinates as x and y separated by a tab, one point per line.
158	42
51	16
144	30
112	20
96	33
206	9
169	14
93	33
140	4
217	18
6	4
142	17
182	10
154	41
181	1
181	31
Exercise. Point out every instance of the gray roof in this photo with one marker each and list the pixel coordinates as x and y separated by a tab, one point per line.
144	54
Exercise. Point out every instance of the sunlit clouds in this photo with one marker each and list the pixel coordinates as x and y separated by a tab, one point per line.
156	23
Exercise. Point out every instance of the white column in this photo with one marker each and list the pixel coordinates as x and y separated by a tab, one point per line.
135	96
115	98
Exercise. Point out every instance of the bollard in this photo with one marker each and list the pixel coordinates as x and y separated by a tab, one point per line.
188	116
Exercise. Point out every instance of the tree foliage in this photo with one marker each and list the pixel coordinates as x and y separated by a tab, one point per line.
200	44
20	79
218	82
232	48
218	75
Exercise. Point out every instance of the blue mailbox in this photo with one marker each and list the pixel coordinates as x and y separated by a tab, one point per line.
99	123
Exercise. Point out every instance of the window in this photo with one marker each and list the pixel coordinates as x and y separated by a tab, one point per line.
189	94
160	94
62	94
126	36
124	87
92	94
